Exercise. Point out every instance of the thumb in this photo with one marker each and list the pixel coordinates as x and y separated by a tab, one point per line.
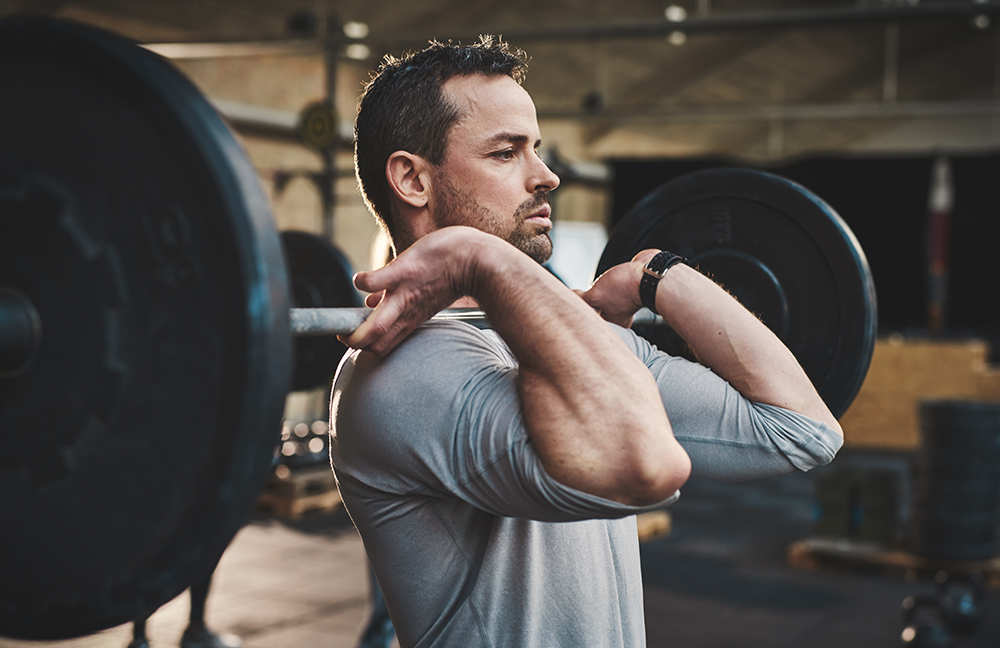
375	281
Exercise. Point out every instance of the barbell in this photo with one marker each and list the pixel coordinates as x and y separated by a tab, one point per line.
147	320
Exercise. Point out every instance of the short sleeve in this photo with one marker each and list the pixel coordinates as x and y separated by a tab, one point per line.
441	417
727	436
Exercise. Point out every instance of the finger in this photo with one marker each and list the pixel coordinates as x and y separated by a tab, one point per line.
374	299
387	326
376	326
398	332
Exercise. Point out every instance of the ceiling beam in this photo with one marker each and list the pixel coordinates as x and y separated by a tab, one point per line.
861	110
649	91
714	23
863	74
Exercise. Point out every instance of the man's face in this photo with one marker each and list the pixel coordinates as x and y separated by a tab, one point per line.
492	178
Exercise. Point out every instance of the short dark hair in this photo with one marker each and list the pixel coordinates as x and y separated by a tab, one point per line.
402	108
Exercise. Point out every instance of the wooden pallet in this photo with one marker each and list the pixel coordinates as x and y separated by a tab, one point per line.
653	525
300	482
291	494
843	553
293	508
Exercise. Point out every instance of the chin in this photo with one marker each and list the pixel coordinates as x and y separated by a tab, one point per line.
539	249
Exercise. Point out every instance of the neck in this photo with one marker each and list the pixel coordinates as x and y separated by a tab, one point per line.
465	302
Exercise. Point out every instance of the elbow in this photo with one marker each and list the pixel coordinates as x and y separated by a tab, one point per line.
827	418
657	476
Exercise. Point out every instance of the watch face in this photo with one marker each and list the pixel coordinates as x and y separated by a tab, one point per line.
647	288
658	264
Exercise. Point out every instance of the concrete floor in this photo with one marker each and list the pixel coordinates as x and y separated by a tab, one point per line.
719	579
279	585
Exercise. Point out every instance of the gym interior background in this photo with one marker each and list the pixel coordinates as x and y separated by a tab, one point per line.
888	109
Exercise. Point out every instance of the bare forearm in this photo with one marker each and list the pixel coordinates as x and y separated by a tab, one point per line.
736	345
592	408
726	337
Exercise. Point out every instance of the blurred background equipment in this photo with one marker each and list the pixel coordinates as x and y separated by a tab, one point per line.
956	481
320	276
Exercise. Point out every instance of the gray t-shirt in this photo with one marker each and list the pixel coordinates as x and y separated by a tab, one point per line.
472	542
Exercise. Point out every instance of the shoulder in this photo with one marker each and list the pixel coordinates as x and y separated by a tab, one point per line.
432	364
435	344
395	419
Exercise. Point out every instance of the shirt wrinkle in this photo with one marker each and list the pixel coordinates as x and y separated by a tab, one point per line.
472	385
507	552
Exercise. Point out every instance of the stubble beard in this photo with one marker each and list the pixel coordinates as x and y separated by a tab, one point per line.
458	207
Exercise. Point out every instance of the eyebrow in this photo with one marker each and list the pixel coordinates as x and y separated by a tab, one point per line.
513	138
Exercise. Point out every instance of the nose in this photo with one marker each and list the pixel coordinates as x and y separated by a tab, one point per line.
543	178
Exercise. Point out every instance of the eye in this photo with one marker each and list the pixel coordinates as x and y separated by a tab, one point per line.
504	155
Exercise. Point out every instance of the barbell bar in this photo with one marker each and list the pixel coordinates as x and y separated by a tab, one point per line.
21	330
150	316
307	322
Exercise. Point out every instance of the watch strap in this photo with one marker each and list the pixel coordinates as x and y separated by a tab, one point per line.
651	275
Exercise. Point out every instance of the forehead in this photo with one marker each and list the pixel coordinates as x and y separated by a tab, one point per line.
490	106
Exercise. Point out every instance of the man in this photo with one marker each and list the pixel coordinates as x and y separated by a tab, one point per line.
494	474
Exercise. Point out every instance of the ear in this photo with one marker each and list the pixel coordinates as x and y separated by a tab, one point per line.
409	178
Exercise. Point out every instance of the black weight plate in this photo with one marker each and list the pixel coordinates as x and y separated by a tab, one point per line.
956	426
320	277
133	447
778	248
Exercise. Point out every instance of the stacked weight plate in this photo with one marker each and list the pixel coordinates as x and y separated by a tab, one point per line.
956	481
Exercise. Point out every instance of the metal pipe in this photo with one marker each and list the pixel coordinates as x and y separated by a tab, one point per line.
691	114
20	327
271	122
890	68
703	24
223	49
699	24
315	322
255	120
333	44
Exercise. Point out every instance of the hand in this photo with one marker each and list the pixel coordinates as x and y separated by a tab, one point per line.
426	278
615	294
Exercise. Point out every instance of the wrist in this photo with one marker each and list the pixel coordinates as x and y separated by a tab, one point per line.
456	256
652	273
493	265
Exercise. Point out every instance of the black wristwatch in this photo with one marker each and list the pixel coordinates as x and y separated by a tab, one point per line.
651	275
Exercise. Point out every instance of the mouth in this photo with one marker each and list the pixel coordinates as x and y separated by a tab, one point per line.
542	217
